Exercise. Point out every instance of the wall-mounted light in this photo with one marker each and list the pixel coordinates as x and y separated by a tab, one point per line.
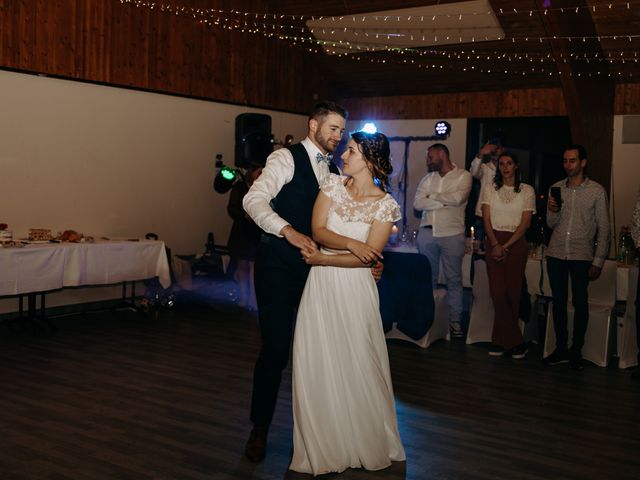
443	128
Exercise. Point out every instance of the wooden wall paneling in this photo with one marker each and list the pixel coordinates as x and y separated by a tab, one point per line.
627	99
509	103
124	45
588	93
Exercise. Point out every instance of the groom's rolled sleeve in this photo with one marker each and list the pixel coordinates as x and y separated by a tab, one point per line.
277	172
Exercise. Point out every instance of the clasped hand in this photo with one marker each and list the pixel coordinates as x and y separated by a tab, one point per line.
499	253
365	253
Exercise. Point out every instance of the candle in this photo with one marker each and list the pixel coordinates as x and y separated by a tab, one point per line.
472	233
394	235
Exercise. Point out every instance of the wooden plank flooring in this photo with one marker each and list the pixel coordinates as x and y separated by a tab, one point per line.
123	396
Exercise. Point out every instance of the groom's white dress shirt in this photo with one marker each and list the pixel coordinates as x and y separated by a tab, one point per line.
277	172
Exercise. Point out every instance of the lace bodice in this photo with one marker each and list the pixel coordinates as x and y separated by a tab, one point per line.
353	218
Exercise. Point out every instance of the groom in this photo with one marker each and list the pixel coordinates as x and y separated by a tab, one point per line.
280	202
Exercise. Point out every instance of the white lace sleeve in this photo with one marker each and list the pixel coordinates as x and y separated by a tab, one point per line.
332	185
530	199
388	210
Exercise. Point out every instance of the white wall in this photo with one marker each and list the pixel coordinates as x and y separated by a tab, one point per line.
113	162
116	162
416	163
625	177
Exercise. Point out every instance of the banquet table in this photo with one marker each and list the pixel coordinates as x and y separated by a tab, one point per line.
40	268
406	297
407	302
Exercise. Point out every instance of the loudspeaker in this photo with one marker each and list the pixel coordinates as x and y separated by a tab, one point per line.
253	138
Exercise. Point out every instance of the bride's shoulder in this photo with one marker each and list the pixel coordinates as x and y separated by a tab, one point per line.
333	183
388	209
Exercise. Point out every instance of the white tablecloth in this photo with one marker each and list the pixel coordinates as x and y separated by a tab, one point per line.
51	266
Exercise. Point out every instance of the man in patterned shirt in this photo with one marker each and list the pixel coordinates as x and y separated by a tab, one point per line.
635	234
578	248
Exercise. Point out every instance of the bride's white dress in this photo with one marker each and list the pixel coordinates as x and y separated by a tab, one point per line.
343	406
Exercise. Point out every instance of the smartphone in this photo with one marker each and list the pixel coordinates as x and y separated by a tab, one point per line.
557	195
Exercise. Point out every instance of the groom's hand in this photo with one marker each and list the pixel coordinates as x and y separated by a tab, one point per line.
376	270
298	240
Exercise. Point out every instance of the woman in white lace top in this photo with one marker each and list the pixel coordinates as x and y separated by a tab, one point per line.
507	208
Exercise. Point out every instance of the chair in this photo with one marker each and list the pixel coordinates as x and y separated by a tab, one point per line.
602	300
482	313
627	341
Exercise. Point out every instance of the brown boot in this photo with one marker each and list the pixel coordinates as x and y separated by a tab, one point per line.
256	446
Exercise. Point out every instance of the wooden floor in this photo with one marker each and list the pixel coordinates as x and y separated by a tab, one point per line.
123	396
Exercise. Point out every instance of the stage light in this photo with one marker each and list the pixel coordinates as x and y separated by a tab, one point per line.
369	128
225	179
443	128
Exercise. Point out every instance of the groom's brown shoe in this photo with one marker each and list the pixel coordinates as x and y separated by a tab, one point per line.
256	446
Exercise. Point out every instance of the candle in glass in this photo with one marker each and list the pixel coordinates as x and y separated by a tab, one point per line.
393	238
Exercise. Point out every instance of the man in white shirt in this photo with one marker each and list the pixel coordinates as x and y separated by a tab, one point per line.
483	168
442	196
280	202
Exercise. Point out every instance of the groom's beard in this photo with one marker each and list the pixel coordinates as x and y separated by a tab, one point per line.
326	143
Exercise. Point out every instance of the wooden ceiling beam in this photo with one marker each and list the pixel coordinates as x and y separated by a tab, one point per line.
588	89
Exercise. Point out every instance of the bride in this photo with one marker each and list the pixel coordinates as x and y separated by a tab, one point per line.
343	406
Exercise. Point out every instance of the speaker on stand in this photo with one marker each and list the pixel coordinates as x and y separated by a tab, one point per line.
253	139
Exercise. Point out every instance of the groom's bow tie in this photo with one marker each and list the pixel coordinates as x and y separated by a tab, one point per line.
326	158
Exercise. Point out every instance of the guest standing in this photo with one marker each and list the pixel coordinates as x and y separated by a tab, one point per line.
507	207
577	249
442	196
244	237
483	168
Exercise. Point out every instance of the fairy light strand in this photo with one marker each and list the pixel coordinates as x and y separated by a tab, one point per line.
231	21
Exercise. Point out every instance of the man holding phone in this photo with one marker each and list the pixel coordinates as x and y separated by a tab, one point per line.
579	216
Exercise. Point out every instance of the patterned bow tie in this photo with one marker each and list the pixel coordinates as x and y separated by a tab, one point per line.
326	158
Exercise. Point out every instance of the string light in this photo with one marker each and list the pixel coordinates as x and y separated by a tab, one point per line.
229	20
204	11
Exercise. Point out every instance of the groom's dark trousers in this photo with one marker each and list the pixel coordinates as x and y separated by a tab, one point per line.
279	282
280	276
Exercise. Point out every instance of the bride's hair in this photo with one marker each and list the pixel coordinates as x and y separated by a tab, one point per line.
375	148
